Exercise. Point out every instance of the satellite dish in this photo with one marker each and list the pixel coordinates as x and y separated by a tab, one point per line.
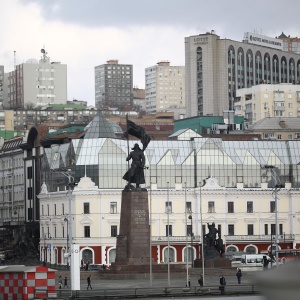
32	61
43	51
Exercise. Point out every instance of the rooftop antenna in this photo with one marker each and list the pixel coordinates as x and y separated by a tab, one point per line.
15	64
45	58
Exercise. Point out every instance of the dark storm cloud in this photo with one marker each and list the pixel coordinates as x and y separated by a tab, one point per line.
231	17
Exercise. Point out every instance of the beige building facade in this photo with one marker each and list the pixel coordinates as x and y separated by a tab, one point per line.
245	219
267	101
164	87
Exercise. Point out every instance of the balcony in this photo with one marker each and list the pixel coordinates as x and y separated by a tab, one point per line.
172	239
258	238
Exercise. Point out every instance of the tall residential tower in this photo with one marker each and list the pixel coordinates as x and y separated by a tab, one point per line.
113	85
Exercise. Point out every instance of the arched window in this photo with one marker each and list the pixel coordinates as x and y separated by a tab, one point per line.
249	68
191	254
166	254
291	71
55	256
232	249
275	72
200	81
251	249
267	68
112	255
240	69
87	256
298	72
258	68
283	70
231	76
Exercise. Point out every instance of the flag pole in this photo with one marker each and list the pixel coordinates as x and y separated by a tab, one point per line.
127	140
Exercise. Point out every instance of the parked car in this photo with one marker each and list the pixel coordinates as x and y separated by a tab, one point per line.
96	267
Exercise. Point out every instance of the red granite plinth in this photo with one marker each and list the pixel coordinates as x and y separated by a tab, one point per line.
217	263
133	241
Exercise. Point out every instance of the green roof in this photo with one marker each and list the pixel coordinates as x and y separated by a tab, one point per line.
64	106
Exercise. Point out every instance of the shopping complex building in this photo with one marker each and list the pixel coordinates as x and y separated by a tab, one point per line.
237	195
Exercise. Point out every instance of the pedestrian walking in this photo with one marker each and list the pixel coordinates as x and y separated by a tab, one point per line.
239	275
200	281
222	284
189	280
60	282
89	282
66	282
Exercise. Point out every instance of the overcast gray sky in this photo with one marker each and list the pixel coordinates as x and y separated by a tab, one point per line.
87	33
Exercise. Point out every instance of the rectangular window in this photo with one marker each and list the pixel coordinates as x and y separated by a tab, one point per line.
113	230
279	136
272	206
42	210
63	209
280	229
189	229
249	207
86	208
55	232
273	226
63	231
113	207
169	231
266	229
211	206
188	207
87	231
230	206
29	193
55	209
230	229
168	208
48	210
250	229
29	172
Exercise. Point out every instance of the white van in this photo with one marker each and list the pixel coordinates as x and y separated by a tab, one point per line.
255	260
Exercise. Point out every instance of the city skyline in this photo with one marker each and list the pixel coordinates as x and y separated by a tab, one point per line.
86	36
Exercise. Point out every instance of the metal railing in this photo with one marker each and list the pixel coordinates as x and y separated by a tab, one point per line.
246	289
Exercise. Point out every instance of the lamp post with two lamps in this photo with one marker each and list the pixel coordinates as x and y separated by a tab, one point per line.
276	189
66	219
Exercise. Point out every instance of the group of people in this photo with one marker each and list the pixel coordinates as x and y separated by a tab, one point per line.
60	282
222	280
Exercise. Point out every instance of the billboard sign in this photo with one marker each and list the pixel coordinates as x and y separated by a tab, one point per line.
262	40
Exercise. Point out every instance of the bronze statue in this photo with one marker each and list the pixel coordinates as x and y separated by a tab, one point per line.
211	235
136	172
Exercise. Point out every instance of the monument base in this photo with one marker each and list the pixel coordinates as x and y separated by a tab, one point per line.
213	263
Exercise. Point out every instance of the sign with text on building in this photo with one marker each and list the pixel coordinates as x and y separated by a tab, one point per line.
262	40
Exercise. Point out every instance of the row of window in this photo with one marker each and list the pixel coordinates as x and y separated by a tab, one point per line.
169	230
168	207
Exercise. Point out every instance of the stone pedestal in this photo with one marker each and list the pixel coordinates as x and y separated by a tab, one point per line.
133	241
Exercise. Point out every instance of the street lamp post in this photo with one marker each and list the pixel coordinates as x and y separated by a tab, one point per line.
168	237
276	189
66	220
192	252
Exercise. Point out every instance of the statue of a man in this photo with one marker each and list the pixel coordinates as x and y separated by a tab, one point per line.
212	234
136	172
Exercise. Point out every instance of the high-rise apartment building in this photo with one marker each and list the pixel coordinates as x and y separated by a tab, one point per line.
37	83
216	68
113	85
165	87
267	101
